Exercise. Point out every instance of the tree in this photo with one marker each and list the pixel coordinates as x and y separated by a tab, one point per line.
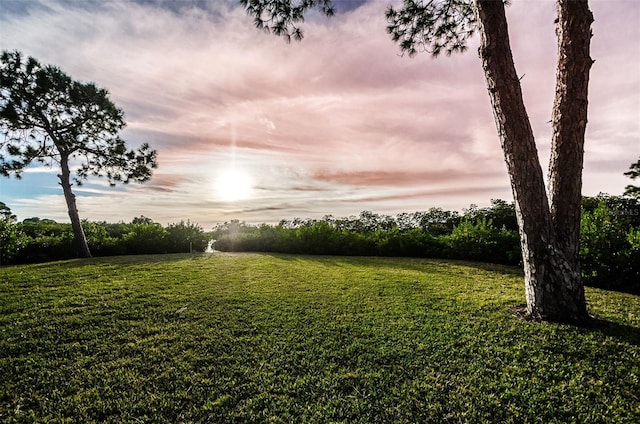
47	117
500	213
11	238
142	220
5	212
549	230
633	173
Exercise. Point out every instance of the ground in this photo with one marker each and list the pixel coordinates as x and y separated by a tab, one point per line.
279	338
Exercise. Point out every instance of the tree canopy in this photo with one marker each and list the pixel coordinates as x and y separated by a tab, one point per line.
432	27
633	173
5	212
47	117
283	17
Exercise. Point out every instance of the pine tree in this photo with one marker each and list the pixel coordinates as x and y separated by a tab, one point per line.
549	230
47	117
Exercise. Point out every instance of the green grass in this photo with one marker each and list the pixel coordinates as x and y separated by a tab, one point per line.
276	338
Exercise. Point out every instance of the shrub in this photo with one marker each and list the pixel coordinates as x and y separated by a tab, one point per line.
186	237
40	240
99	240
483	242
12	240
610	244
145	238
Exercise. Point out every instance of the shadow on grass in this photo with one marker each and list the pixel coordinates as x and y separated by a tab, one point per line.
631	289
121	261
595	324
626	333
415	264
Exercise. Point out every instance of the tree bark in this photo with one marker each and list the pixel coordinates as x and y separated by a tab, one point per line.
550	278
78	231
569	123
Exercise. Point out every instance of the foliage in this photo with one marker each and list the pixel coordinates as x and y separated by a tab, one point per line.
142	220
283	16
103	240
12	239
482	241
610	247
46	240
47	117
432	26
276	338
500	213
609	224
433	233
144	238
5	212
633	173
185	237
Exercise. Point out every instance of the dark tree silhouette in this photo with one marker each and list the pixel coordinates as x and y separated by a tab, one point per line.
549	230
5	212
47	117
633	173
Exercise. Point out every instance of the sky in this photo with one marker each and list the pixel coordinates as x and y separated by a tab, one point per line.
249	127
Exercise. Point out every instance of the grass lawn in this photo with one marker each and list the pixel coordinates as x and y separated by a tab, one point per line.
277	338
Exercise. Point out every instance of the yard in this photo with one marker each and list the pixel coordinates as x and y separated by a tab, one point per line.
279	338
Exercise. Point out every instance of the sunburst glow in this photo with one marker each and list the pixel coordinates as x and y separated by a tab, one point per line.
233	184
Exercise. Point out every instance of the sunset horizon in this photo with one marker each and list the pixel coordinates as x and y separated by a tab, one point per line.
249	127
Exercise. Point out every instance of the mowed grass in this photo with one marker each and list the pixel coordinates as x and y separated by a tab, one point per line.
277	338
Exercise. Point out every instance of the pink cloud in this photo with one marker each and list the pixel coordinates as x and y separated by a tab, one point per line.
465	192
340	115
398	178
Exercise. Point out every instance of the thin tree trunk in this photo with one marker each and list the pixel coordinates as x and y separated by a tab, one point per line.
548	274
78	231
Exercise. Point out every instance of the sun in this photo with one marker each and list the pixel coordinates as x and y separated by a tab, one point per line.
233	184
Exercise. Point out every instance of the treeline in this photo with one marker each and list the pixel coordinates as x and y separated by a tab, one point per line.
39	240
609	250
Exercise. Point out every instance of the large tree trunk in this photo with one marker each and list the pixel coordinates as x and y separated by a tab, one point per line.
550	277
78	232
569	123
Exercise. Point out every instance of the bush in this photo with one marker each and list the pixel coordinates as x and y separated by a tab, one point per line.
101	243
610	243
145	238
40	240
186	237
46	240
12	240
483	242
609	246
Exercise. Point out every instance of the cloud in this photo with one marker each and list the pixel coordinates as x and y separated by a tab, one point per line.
40	170
398	178
456	192
338	122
